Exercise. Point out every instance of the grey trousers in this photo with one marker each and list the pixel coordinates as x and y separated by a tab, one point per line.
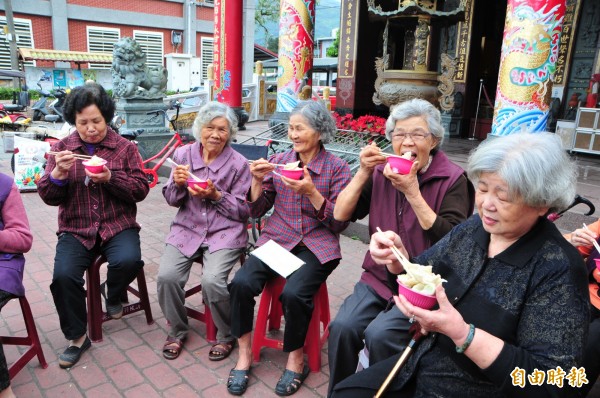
173	274
362	317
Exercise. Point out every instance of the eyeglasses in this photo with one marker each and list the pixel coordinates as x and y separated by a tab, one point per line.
416	136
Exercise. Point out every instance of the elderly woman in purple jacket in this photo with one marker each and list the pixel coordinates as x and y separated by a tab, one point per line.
421	206
15	239
209	226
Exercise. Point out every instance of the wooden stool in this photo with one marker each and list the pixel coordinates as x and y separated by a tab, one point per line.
96	317
206	317
270	310
32	340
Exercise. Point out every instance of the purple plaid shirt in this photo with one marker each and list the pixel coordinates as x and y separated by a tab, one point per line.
97	209
294	218
219	225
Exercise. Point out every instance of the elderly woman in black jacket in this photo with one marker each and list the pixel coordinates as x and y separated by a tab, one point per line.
512	318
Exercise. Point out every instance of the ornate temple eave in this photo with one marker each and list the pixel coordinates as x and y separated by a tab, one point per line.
418	7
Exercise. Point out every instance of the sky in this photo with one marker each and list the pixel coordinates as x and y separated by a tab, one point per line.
327	17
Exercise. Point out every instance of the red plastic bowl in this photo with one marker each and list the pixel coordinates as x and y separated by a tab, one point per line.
197	184
399	165
295	174
597	260
93	168
420	300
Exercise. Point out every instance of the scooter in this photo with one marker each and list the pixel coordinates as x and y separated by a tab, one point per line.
40	109
57	105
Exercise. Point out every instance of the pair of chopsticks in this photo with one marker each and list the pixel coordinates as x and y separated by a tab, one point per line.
272	164
596	245
190	174
406	264
391	155
75	155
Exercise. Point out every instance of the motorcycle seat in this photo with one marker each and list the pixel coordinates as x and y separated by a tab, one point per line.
13	107
51	118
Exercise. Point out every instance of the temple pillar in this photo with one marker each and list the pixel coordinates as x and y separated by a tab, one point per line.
227	63
530	49
296	44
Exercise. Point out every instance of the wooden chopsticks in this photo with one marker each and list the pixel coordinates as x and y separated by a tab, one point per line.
75	155
390	155
272	164
406	264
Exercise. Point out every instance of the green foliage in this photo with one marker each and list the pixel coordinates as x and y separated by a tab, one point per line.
334	49
273	44
6	94
267	11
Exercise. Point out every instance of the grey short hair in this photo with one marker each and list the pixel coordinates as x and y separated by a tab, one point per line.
211	111
318	118
535	167
421	108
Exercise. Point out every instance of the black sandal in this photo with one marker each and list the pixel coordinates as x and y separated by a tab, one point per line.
290	382
72	354
238	381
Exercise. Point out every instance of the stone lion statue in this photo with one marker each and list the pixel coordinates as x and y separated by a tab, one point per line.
131	77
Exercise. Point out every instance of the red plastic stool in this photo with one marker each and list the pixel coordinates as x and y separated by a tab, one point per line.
32	340
96	317
206	317
270	310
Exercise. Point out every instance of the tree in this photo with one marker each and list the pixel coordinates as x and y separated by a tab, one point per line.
273	44
267	13
333	50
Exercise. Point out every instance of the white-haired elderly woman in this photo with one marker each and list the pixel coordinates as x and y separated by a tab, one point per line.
512	318
303	223
210	225
421	206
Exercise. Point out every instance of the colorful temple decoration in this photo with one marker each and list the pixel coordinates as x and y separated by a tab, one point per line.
527	65
296	43
227	59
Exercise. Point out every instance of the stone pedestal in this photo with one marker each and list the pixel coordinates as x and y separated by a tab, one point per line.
147	115
279	117
451	125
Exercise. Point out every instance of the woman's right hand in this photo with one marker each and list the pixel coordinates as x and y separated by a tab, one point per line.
260	168
583	237
181	174
64	161
370	156
380	248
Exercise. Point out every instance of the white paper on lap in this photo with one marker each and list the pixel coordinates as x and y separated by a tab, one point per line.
277	258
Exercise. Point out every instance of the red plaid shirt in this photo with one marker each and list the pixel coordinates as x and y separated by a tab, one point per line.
294	218
97	209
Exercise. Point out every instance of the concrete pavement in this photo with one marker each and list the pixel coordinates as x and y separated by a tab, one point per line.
129	361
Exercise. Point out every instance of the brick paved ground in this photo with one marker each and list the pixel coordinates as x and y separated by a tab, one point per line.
129	362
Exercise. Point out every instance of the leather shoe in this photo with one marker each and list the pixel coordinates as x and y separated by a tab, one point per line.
72	354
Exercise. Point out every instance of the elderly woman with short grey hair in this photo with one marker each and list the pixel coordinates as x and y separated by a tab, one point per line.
512	314
302	223
421	206
209	227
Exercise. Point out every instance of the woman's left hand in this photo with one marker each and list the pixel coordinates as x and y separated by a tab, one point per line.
304	186
210	192
406	183
103	176
446	320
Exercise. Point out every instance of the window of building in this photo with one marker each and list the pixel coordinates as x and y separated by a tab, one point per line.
206	54
152	45
102	40
24	40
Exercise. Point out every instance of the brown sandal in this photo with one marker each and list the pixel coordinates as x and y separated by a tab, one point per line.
221	350
172	347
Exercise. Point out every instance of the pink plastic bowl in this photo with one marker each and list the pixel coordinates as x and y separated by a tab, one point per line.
197	184
92	168
597	260
293	174
399	165
420	300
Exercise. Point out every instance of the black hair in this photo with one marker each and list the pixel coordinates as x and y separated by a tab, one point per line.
89	94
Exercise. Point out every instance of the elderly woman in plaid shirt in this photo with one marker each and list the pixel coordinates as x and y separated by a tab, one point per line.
96	212
303	223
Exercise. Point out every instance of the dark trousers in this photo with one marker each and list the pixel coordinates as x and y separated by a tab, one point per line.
4	376
296	298
362	316
73	259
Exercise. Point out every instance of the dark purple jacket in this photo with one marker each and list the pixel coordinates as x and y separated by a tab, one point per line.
389	209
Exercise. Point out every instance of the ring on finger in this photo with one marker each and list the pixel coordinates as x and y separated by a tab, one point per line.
412	318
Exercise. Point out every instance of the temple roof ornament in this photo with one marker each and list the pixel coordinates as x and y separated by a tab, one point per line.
418	7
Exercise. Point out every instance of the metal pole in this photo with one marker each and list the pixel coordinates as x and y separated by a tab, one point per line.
477	111
12	39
